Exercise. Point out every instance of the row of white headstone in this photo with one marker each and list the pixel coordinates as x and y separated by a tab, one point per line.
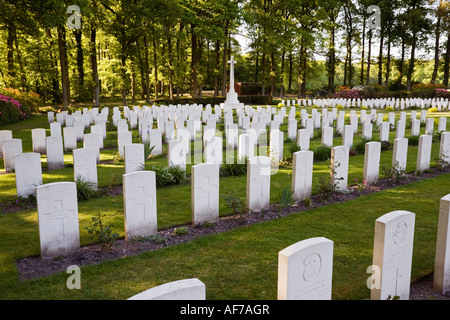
139	187
380	103
305	269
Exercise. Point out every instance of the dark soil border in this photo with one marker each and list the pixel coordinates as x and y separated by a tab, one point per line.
35	267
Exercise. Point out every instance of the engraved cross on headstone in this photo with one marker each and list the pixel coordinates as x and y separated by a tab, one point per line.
60	213
143	201
207	189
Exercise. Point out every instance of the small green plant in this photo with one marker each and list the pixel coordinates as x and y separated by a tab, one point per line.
162	174
101	233
26	203
322	153
413	140
85	189
178	175
307	202
361	186
286	199
394	173
180	231
236	204
118	158
442	162
233	169
360	147
148	151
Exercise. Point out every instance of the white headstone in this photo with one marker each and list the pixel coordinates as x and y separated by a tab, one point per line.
424	152
302	171
400	155
327	136
139	196
384	131
205	193
429	126
176	154
4	135
92	140
441	279
415	127
28	172
11	148
155	137
57	208
258	183
190	289
134	157
372	162
339	166
347	139
55	152
444	147
400	130
305	270
70	138
38	138
55	129
246	148
392	254
85	165
303	139
123	138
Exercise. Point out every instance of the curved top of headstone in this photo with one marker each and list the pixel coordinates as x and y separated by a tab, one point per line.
299	246
188	289
391	216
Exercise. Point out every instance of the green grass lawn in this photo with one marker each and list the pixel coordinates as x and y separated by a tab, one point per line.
240	264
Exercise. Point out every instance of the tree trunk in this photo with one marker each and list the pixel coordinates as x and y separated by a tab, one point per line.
94	66
23	76
368	59
147	71
447	61
80	59
216	68
224	61
123	70
388	57
411	63
170	65
363	44
155	67
64	64
402	60
10	55
194	80
272	75
291	65
436	48
133	83
380	61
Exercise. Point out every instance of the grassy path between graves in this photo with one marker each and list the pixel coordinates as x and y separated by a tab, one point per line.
240	264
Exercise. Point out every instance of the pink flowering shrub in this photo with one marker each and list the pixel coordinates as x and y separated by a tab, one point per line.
347	94
10	110
442	93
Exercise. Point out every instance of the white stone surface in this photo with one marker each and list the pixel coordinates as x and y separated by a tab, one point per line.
302	172
55	152
372	162
424	152
38	137
429	126
155	137
70	138
123	138
400	130
367	130
11	148
303	139
305	270
444	147
347	138
246	145
4	135
92	140
327	136
57	208
392	254
339	166
400	154
441	278
205	193
176	154
139	196
384	131
134	157
189	289
55	129
85	165
258	183
415	127
28	172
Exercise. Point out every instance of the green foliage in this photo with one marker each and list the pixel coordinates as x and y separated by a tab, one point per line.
233	169
360	147
236	204
394	173
85	189
322	153
286	199
180	231
413	140
178	175
101	233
